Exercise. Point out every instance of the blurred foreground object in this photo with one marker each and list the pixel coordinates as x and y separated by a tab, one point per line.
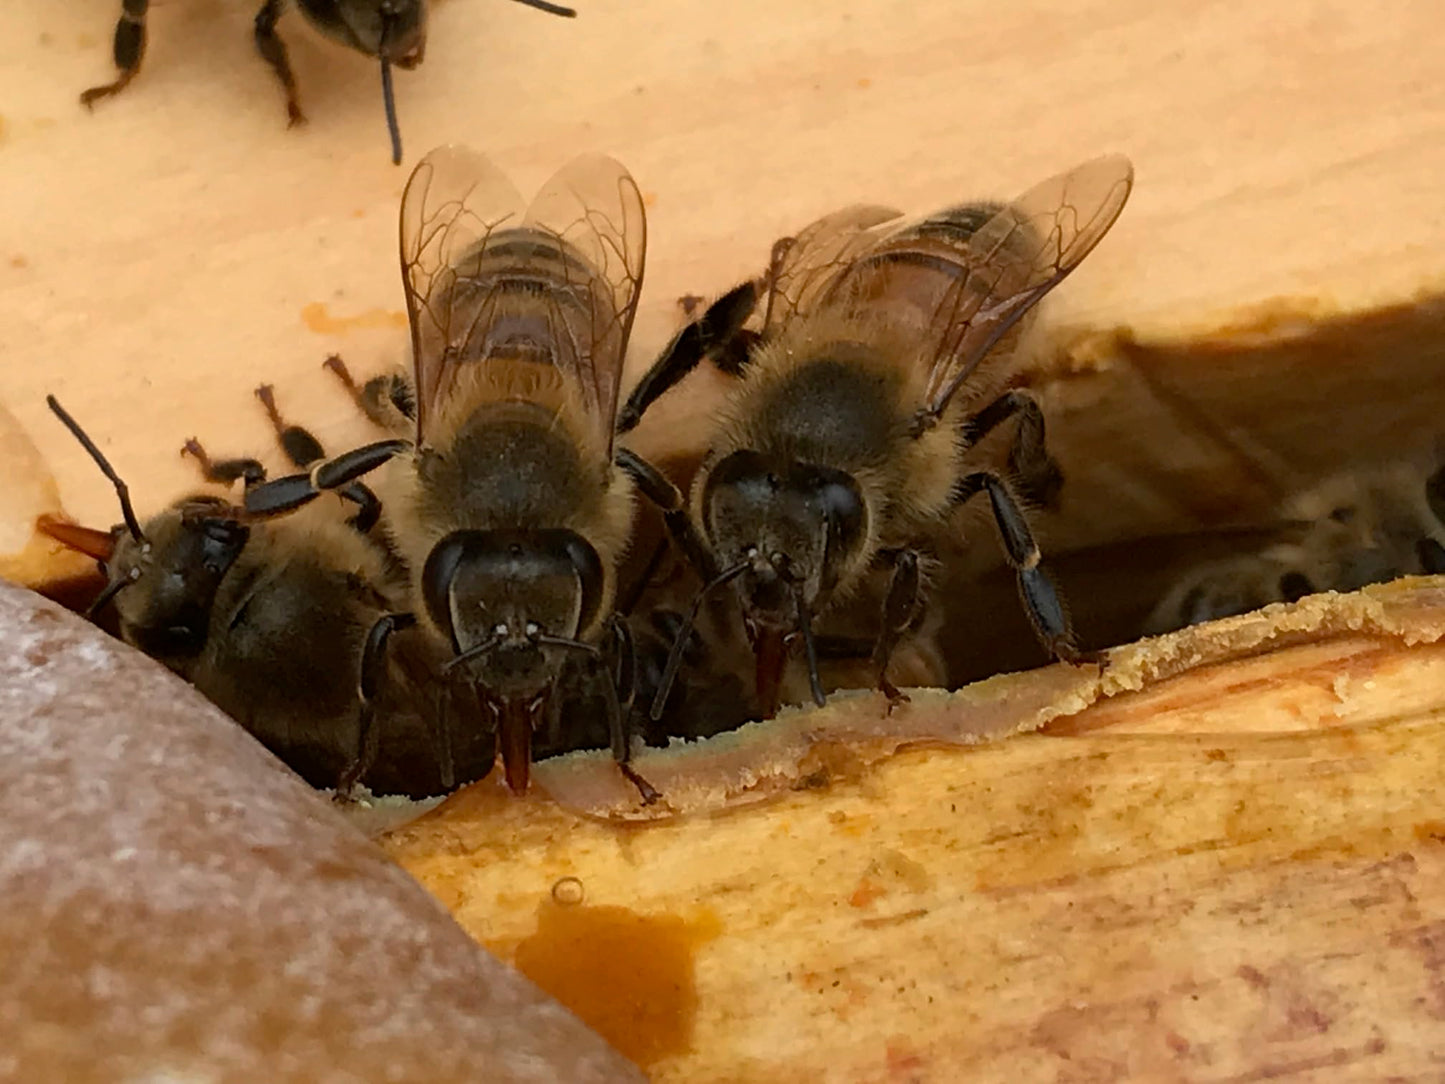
1221	858
179	906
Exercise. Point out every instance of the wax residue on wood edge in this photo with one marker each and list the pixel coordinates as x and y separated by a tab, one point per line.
1271	323
813	746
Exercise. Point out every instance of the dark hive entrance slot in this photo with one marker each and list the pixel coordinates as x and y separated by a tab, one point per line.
1180	453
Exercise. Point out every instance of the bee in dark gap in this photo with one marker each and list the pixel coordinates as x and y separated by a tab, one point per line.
877	366
269	620
392	31
1362	526
513	503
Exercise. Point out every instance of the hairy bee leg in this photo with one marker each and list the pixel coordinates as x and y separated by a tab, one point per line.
273	52
655	485
661	492
303	450
1029	461
128	49
224	471
617	711
712	332
1041	599
387	401
625	675
281	495
900	607
373	666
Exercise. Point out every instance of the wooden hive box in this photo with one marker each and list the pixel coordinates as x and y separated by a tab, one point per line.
1227	869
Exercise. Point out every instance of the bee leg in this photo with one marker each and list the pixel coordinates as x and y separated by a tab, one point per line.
281	495
900	608
655	487
1041	599
224	471
273	52
711	333
386	400
1035	471
621	687
303	450
373	667
128	50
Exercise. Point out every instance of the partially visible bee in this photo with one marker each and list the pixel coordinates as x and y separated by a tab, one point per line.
1369	525
269	620
393	31
877	367
513	505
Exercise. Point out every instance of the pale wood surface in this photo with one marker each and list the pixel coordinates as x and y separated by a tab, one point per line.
1130	903
1234	873
160	257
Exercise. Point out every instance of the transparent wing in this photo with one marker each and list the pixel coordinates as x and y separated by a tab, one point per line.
593	208
1012	260
804	265
455	201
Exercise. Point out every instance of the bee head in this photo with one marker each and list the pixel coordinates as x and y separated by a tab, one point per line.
798	528
164	577
392	29
514	603
164	584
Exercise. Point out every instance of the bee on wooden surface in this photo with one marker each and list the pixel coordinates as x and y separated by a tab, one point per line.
711	699
513	504
877	367
392	31
269	620
1364	526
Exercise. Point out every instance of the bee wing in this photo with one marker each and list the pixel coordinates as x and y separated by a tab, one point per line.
1014	259
802	266
594	208
455	200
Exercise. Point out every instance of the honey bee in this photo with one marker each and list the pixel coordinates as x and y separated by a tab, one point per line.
269	620
392	31
712	698
512	505
842	447
1364	526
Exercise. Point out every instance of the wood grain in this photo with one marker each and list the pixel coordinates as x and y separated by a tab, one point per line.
1235	873
1182	900
167	253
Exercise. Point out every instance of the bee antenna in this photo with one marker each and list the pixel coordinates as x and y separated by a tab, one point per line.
674	657
389	100
112	589
476	650
566	641
551	9
810	648
131	523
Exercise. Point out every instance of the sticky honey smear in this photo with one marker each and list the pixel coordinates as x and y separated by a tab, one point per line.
27	492
814	747
628	976
318	318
